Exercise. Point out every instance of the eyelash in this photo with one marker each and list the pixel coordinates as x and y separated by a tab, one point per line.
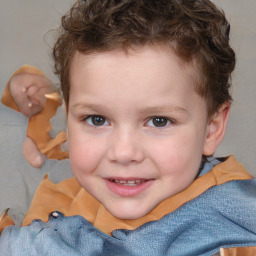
167	121
90	120
152	122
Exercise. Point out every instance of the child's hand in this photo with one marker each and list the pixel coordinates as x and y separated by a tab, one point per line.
28	91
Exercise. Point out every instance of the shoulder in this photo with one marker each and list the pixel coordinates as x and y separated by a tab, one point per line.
233	193
236	201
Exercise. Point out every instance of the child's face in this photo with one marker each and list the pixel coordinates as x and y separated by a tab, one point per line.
136	126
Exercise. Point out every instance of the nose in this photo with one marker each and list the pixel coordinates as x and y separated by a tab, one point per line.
126	148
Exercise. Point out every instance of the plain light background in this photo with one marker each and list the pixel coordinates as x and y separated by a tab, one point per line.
24	39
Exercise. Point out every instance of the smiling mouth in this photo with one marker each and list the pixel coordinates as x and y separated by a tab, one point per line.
128	187
129	183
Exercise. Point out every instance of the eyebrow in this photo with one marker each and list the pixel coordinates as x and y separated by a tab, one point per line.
94	107
164	108
146	110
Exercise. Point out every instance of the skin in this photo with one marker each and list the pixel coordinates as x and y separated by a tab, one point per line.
32	154
135	118
28	91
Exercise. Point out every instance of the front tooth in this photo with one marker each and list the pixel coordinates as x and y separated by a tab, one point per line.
128	182
130	185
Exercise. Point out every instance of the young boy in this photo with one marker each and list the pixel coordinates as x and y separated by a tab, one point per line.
146	87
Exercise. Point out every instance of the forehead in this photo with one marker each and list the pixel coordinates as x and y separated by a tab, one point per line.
143	77
157	57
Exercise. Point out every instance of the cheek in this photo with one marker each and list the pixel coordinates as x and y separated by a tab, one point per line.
178	155
84	154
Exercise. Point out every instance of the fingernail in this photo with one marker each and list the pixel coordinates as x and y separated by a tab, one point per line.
30	105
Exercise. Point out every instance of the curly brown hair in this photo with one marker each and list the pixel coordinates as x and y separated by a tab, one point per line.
196	30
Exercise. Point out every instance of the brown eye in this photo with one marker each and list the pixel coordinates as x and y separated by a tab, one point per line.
159	121
96	120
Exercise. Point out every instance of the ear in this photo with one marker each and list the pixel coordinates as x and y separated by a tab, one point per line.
216	129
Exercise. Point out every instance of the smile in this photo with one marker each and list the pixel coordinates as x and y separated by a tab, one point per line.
128	187
127	182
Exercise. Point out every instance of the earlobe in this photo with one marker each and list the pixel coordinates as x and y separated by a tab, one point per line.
216	129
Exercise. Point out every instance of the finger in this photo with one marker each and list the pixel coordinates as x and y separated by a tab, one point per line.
32	89
38	97
32	80
43	91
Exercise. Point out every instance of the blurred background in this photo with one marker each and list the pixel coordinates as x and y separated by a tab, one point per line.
26	38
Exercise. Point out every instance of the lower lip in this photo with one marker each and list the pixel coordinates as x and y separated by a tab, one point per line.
128	191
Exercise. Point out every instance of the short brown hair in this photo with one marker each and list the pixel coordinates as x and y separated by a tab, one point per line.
196	29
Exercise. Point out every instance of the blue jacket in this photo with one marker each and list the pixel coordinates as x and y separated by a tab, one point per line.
196	228
199	227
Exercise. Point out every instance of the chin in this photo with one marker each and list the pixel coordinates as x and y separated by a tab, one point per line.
127	215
